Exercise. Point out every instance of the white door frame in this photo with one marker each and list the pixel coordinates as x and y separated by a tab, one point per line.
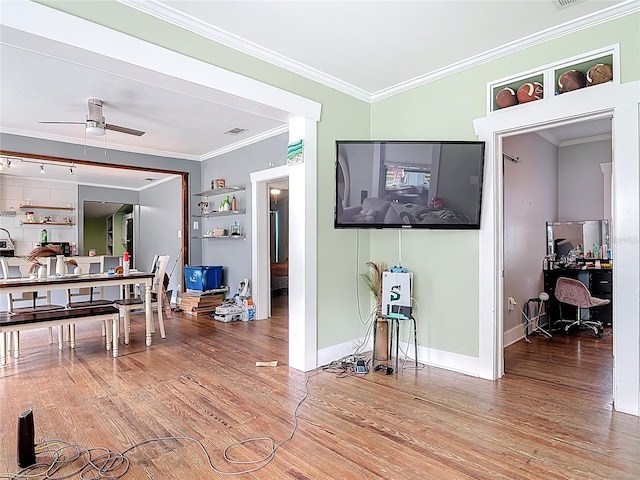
260	255
608	100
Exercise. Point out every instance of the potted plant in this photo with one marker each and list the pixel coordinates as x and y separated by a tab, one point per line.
373	280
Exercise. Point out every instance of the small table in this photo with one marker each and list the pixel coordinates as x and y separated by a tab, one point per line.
395	320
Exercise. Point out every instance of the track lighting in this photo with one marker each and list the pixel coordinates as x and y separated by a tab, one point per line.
6	163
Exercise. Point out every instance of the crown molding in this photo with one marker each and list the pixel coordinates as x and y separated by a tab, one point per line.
171	15
608	14
146	151
194	25
247	141
578	141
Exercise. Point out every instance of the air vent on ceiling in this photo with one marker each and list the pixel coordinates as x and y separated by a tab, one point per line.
235	131
565	3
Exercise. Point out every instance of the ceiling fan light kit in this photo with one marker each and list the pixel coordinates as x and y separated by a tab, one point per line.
94	128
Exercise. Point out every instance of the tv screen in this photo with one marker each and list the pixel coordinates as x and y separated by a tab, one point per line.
408	184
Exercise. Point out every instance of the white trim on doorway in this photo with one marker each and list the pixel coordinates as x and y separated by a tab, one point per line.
620	102
261	260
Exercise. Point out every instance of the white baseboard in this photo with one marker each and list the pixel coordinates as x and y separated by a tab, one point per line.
512	335
426	356
335	352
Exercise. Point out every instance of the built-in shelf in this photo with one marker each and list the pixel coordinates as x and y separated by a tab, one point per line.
549	75
221	214
225	237
220	191
46	207
68	224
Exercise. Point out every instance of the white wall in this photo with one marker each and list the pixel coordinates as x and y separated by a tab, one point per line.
15	191
580	181
530	199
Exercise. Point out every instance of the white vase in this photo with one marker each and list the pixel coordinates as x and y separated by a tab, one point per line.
60	266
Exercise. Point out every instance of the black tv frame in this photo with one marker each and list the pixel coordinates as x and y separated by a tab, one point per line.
412	215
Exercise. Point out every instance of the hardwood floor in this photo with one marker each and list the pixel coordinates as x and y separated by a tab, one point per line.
550	417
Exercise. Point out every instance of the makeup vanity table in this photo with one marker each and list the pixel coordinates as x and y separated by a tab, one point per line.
562	237
598	281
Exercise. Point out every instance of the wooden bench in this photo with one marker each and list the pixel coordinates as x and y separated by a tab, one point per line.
13	323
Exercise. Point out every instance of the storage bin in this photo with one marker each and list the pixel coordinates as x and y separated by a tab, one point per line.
202	278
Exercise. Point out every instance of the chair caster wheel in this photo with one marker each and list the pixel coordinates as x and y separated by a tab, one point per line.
599	335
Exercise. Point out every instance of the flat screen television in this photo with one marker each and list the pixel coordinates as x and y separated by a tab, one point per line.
408	184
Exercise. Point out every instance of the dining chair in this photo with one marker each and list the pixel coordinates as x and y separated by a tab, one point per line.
33	301
158	298
90	296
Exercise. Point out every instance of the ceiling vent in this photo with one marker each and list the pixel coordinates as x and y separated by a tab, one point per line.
235	131
565	3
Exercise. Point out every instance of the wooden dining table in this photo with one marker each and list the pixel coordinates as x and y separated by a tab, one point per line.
64	282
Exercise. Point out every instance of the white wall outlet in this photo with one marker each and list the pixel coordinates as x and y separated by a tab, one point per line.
511	303
179	233
196	225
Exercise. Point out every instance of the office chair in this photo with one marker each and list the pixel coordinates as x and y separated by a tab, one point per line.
573	292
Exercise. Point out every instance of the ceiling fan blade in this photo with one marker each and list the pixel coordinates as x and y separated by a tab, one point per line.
67	123
117	128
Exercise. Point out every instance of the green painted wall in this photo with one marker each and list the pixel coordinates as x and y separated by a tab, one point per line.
445	263
95	236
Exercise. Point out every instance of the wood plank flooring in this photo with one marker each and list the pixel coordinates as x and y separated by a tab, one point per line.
550	417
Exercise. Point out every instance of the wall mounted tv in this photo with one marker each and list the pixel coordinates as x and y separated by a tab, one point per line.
408	184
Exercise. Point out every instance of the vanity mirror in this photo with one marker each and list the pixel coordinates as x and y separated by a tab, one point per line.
564	236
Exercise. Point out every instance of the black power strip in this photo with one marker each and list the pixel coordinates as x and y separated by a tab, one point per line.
361	367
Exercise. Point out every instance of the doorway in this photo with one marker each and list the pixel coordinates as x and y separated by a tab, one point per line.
619	101
552	174
107	229
279	242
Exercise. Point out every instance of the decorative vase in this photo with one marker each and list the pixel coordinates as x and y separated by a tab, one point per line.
60	265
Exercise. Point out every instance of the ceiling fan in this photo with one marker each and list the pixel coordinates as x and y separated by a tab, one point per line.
95	124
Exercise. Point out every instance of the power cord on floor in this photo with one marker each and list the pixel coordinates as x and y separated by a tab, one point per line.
102	463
